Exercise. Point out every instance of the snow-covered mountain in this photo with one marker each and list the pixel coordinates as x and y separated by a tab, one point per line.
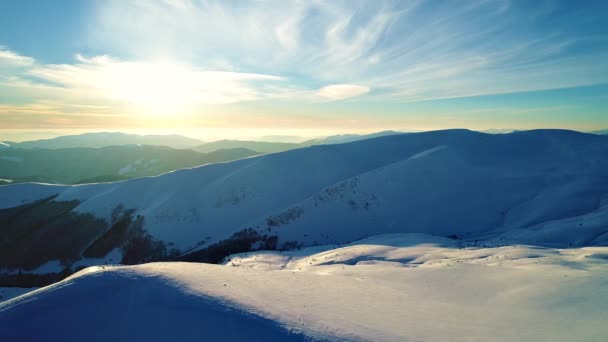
544	187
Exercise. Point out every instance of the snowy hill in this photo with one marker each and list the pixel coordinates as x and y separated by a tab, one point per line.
544	187
399	287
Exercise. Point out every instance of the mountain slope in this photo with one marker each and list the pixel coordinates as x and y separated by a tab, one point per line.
541	187
446	191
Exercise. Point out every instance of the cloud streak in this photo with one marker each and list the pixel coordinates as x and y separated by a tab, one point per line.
10	58
342	91
150	82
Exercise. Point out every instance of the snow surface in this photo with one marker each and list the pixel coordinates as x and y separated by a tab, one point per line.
400	287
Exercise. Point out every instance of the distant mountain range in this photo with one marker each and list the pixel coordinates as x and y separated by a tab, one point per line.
259	146
103	139
264	145
106	157
345	138
273	147
27	136
112	163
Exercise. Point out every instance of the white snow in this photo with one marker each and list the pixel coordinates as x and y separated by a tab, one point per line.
427	152
399	287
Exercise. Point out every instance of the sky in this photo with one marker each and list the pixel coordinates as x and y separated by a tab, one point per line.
308	68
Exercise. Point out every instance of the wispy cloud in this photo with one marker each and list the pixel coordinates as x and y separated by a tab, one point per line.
103	81
413	50
150	82
342	91
10	58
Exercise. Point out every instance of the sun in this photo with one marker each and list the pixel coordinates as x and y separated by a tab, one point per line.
156	88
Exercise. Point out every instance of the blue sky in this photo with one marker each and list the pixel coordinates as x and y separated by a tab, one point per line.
303	66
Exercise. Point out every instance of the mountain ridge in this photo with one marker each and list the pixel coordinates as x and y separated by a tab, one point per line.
103	139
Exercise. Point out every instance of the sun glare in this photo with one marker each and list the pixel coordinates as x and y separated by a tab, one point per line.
154	88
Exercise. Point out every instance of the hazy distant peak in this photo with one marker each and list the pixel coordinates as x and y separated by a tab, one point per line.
344	138
101	139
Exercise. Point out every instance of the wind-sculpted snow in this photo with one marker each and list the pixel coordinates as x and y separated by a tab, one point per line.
402	287
543	187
